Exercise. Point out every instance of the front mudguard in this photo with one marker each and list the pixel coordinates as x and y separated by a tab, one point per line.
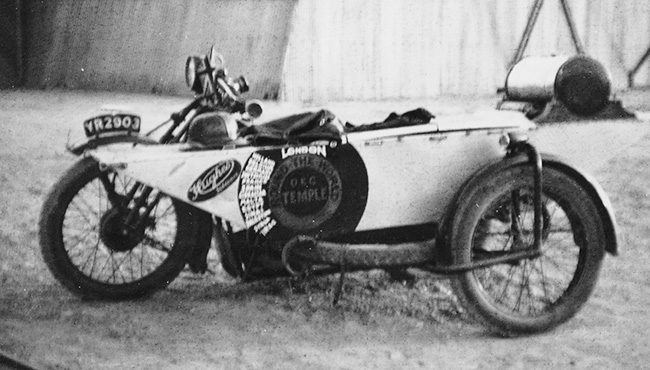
588	182
80	148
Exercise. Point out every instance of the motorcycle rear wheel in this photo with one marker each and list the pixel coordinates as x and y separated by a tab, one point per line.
535	295
82	245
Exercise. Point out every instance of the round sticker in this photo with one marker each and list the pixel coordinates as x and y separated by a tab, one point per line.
304	191
309	189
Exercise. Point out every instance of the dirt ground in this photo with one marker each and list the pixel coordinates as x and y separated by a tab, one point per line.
213	322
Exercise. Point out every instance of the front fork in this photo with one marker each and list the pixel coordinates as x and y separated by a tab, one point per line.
535	159
135	217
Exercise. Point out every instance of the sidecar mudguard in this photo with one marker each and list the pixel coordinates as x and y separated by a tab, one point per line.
605	209
588	182
80	147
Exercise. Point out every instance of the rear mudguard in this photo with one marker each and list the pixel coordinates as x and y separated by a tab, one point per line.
605	209
80	147
197	259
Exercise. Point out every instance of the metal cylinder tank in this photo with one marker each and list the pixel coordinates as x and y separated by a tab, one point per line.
581	83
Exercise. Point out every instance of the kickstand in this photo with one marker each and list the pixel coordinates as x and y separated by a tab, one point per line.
300	284
253	257
251	260
338	289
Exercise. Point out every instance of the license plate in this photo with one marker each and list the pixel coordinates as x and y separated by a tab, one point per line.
112	124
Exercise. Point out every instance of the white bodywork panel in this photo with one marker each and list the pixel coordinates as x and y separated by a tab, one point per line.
412	179
172	169
413	172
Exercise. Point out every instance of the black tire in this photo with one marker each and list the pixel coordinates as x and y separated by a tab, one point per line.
528	296
93	263
365	256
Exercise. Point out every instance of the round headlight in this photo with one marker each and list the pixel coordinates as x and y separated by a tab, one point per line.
192	65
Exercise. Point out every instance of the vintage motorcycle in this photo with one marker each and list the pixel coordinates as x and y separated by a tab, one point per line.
523	234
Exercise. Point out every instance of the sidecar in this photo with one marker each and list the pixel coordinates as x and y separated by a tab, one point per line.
311	174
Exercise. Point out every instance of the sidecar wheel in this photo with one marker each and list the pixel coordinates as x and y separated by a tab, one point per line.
84	249
533	295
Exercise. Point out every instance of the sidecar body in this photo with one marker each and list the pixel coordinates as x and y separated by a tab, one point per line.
326	182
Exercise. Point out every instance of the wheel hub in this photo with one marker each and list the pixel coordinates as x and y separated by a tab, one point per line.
116	234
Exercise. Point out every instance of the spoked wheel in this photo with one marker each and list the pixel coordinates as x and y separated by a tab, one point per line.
93	250
496	217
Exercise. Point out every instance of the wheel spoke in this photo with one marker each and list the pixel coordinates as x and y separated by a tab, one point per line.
539	268
84	208
92	258
165	212
508	280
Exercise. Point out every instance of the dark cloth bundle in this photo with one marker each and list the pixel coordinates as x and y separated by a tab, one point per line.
323	125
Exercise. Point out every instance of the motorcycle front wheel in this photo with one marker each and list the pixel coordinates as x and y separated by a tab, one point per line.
89	249
495	217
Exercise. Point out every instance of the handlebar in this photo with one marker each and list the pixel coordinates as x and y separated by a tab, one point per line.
233	99
207	77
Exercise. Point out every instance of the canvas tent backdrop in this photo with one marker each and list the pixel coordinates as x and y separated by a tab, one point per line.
310	50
